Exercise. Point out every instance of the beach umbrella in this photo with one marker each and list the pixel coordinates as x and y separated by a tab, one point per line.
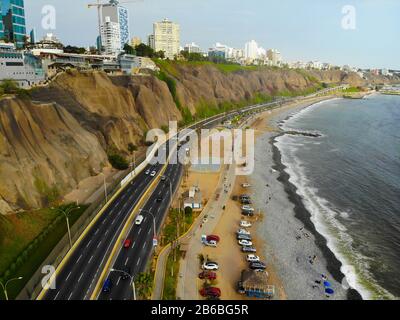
327	284
329	291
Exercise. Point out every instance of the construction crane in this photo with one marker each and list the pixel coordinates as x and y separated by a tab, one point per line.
99	5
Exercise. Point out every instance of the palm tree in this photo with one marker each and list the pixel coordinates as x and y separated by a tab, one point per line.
144	285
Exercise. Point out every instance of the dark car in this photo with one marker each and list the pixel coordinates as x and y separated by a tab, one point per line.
245	201
159	199
127	272
107	285
210	292
244	237
208	275
240	288
257	266
247	213
249	249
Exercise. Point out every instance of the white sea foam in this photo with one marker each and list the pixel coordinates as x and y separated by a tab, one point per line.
355	266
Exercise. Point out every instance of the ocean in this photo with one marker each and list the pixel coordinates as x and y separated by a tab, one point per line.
349	182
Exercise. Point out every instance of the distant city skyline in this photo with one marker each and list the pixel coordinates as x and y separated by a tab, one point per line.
303	30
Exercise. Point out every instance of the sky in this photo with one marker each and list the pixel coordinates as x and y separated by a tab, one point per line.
303	30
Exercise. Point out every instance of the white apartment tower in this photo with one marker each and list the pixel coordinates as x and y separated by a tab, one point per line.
114	26
251	50
110	37
166	38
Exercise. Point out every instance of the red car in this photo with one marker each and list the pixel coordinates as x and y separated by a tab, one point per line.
213	238
210	292
208	275
127	243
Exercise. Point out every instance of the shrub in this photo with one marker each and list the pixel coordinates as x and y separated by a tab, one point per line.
118	161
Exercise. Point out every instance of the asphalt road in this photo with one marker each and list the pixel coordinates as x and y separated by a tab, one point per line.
78	277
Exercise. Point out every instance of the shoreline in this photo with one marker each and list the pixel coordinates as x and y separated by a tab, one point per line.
280	233
303	215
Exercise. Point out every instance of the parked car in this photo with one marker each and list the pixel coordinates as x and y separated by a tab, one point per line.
252	258
249	250
210	292
139	220
243	231
247	208
213	238
147	172
246	185
245	224
245	201
159	199
247	213
245	243
212	266
153	174
243	237
163	178
245	196
107	286
257	266
208	275
211	243
127	243
240	288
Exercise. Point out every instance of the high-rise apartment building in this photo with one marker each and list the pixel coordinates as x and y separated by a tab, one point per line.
274	56
12	25
166	38
251	50
115	20
110	37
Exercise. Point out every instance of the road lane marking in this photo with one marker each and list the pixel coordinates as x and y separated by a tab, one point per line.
140	231
137	264
79	258
126	261
69	298
90	259
68	276
80	277
119	279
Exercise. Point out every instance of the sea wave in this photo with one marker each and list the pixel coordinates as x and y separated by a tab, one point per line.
355	266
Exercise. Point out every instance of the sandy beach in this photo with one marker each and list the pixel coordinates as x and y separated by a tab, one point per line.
291	244
297	260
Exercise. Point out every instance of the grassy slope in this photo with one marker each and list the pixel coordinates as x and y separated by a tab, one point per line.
20	230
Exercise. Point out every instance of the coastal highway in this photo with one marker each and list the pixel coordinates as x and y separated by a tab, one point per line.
77	277
79	273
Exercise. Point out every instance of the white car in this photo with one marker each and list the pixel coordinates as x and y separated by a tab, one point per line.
147	172
139	220
243	231
252	258
248	208
245	224
212	266
211	243
246	185
245	243
153	174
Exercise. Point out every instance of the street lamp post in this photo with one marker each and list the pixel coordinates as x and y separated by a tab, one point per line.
4	286
105	186
66	213
132	282
154	221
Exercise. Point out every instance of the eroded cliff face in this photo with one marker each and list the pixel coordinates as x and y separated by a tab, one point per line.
60	137
44	151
